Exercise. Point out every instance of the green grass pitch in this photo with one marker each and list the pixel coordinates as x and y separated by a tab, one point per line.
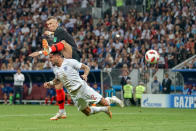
36	118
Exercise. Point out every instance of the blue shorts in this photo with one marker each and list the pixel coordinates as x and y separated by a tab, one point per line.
51	92
7	90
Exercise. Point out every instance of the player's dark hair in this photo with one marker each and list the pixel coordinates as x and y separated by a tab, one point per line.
56	53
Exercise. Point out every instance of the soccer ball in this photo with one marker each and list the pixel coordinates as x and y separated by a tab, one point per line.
152	56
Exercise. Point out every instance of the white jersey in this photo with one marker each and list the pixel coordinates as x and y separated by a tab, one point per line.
68	74
18	79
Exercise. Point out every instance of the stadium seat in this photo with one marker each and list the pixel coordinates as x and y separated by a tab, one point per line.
29	97
35	94
43	93
117	87
178	88
110	92
25	92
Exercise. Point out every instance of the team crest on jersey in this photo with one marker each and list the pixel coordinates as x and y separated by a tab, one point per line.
55	39
65	68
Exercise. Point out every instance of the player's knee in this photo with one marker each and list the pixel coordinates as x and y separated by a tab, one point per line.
104	102
86	111
66	45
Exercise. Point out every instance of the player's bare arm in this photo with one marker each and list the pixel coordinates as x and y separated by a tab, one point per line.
66	50
86	71
34	54
37	53
51	83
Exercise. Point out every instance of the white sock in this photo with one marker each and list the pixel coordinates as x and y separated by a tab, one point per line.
61	111
95	109
112	100
115	100
50	49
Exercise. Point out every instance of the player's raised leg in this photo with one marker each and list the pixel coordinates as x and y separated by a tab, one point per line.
83	106
115	100
61	46
111	100
94	109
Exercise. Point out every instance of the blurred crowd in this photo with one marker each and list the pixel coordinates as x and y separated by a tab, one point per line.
189	89
119	40
190	64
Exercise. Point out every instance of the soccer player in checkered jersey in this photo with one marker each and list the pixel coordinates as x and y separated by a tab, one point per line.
64	43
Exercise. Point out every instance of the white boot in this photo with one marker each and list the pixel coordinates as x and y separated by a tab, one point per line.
118	101
59	116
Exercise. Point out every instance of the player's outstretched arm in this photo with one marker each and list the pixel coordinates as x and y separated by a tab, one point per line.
46	85
37	53
34	54
51	83
86	71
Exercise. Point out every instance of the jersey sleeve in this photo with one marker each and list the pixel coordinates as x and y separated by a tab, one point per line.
74	63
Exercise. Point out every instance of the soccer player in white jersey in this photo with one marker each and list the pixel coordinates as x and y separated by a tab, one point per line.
67	72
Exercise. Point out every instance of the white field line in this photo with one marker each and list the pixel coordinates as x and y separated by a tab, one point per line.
32	115
24	115
26	129
115	113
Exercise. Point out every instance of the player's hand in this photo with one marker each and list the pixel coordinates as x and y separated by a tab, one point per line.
84	77
48	33
46	85
34	54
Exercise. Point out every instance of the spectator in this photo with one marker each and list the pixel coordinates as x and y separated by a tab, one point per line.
18	85
51	94
155	86
124	78
7	93
128	93
84	4
25	29
47	65
97	88
139	90
193	91
194	63
107	68
186	89
3	66
4	94
166	84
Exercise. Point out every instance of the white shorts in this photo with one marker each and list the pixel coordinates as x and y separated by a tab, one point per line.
84	95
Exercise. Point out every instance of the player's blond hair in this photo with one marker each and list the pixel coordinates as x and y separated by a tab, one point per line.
51	17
